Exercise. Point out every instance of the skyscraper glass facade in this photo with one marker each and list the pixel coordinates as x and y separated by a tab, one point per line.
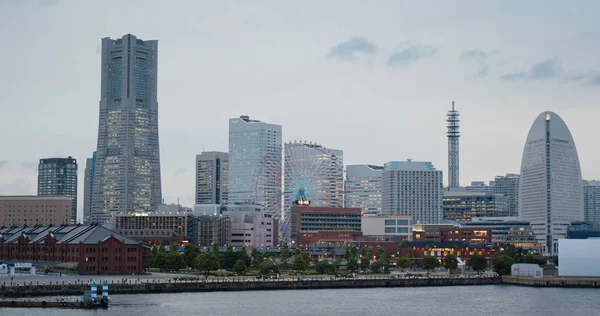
58	177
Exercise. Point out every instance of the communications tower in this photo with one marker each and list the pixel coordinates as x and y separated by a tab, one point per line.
453	119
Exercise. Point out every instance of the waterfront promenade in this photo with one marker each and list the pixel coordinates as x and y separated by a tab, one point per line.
135	286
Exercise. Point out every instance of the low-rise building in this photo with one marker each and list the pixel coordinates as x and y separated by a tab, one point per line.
461	206
31	210
87	249
583	230
527	269
213	229
314	225
390	225
509	230
154	227
252	229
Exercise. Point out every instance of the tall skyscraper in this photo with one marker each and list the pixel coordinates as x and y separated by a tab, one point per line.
255	163
508	185
453	134
58	177
363	188
311	173
212	168
127	172
412	188
591	201
550	188
88	188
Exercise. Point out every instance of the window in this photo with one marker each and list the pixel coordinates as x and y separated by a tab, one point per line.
402	222
390	222
390	230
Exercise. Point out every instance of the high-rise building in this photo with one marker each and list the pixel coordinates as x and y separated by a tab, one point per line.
411	188
550	188
313	174
88	188
363	188
255	163
58	177
211	177
591	201
508	185
127	172
453	134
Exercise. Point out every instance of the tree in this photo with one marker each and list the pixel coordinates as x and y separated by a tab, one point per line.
229	258
555	260
206	262
268	266
477	262
351	253
535	259
243	255
240	267
403	262
370	254
300	263
284	254
257	258
502	264
324	267
331	254
430	262
174	261
215	248
377	265
365	263
380	253
161	260
451	262
190	252
352	265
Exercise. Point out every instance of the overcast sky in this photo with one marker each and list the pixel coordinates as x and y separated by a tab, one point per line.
373	78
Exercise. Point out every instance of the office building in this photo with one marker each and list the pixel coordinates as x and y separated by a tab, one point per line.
412	188
591	201
507	230
58	177
378	225
583	230
478	186
30	211
154	227
550	188
212	168
252	229
324	225
213	229
127	170
88	188
508	185
363	188
255	164
462	206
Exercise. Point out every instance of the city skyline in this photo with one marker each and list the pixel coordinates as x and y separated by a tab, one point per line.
332	81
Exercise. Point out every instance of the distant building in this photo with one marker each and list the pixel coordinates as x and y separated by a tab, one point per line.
509	230
252	229
591	201
550	187
481	186
453	234
212	168
400	226
584	230
58	177
35	210
213	229
462	206
255	158
415	189
153	227
88	188
508	185
86	249
363	188
527	270
312	225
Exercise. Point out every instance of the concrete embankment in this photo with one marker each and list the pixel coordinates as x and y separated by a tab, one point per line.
246	285
552	282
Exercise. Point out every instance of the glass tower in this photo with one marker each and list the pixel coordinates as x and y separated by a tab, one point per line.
550	187
211	177
363	188
58	177
127	171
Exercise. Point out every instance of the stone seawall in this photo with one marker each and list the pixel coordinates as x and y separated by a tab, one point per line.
552	282
246	285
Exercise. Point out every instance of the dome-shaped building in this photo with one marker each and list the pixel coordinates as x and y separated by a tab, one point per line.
550	188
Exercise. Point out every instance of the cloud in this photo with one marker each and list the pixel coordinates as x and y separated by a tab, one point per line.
547	69
473	54
29	165
3	163
483	72
353	48
408	53
594	80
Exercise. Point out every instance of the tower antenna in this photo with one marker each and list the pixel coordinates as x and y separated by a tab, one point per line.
453	134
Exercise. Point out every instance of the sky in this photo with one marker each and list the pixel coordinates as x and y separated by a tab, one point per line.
372	78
